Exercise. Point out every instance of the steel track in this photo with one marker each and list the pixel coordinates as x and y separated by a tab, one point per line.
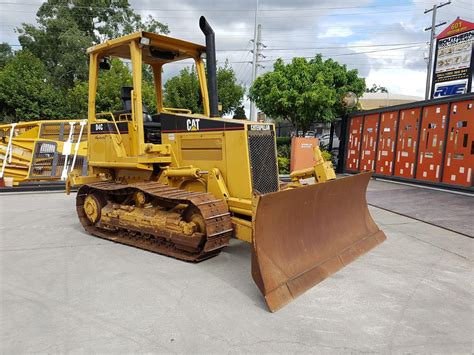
214	211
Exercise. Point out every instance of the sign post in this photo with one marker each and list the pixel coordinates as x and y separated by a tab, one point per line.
454	60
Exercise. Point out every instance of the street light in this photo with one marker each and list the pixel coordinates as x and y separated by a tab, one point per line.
349	101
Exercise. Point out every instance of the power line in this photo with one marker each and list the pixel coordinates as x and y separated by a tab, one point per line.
213	9
311	57
366	29
359	53
248	73
294	34
302	48
245	74
283	38
391	66
351	53
243	57
229	13
331	47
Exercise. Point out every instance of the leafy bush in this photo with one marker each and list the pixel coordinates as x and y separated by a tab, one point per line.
326	155
284	154
283	165
283	141
284	151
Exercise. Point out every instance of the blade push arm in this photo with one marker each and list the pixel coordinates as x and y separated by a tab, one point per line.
322	170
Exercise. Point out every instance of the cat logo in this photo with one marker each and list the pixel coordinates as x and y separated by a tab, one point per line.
192	124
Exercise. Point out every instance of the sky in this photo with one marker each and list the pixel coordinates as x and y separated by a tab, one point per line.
383	39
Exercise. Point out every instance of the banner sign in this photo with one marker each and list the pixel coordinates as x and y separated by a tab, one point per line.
454	60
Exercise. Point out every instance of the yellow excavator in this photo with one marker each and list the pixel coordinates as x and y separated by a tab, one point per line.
182	184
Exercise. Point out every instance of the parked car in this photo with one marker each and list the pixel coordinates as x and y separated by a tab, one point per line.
324	141
324	144
310	134
297	134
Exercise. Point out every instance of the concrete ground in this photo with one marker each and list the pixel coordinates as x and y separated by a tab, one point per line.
453	211
64	291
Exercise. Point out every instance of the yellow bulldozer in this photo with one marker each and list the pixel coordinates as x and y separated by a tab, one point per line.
182	184
37	151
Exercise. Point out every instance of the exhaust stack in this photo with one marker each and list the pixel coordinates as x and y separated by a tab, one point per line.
211	66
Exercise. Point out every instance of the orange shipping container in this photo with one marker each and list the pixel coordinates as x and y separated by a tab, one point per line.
459	159
407	142
369	142
429	142
430	151
386	144
353	146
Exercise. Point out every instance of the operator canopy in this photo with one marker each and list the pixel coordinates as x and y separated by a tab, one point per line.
158	49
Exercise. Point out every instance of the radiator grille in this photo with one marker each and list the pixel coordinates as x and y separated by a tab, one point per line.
263	164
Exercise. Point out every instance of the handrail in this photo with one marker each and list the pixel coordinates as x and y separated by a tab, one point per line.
76	149
9	151
126	116
133	97
113	119
107	113
67	146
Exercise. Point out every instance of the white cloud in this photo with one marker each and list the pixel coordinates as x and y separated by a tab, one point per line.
336	32
407	82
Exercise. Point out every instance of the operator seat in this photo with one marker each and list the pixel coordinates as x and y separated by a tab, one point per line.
151	123
126	96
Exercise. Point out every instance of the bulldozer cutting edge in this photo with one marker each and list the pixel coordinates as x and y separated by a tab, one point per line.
303	235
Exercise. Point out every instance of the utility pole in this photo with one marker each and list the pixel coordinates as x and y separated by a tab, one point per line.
255	65
256	40
432	40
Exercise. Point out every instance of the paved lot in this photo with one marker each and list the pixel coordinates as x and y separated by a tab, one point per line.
64	291
452	211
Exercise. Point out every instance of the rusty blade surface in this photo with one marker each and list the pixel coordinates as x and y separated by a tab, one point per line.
303	235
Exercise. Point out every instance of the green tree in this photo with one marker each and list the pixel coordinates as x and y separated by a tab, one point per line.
377	88
305	91
108	91
66	28
182	91
230	93
239	113
5	54
61	46
26	91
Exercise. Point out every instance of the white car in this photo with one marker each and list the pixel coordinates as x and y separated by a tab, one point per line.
324	141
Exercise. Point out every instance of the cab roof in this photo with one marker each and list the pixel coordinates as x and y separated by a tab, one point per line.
161	49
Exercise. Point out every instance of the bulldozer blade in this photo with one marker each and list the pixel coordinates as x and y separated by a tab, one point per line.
303	235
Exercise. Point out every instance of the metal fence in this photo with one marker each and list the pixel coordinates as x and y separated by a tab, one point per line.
429	142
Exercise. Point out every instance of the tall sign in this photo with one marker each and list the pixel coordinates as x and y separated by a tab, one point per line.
454	60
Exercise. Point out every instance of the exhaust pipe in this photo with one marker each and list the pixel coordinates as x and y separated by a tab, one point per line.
211	66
